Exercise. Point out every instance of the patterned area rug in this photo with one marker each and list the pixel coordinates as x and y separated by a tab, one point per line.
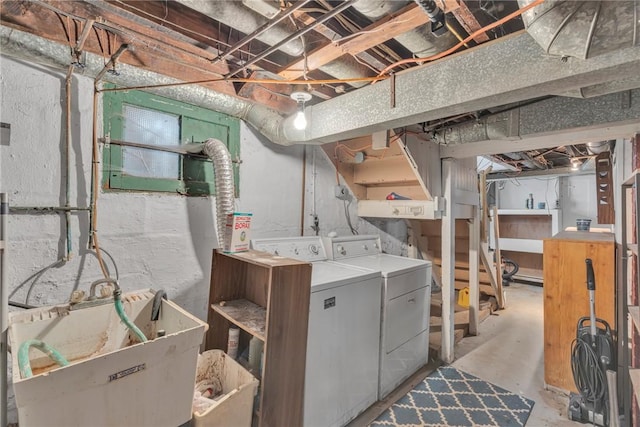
449	397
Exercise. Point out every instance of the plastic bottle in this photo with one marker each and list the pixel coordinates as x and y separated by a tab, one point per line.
530	201
232	342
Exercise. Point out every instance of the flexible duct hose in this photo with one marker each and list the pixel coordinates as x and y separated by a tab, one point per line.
217	151
23	356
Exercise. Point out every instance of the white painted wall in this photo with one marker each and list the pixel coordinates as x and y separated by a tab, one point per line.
576	195
162	241
514	193
579	200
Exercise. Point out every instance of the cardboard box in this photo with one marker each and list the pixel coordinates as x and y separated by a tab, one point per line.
237	232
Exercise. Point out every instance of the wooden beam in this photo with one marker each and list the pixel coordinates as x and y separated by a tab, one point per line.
469	22
270	95
331	35
379	32
474	282
496	230
448	261
149	53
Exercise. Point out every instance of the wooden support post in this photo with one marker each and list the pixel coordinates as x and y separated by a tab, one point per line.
500	296
474	282
448	261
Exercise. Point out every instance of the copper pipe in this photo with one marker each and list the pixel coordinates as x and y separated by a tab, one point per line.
112	61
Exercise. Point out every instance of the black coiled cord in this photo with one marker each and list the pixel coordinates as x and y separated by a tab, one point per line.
589	375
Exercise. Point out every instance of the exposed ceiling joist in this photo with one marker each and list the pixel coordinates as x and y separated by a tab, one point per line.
468	21
379	32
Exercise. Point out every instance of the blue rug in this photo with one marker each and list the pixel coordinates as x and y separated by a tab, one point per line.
449	397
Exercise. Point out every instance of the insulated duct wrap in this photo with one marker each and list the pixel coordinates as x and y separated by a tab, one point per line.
217	151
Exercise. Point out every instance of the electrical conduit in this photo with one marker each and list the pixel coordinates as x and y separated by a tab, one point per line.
4	306
217	151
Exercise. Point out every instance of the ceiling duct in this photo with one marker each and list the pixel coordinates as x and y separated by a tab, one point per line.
599	146
583	29
235	15
420	41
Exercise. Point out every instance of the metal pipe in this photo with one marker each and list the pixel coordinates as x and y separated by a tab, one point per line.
112	61
281	16
294	36
177	150
67	216
45	209
94	161
4	307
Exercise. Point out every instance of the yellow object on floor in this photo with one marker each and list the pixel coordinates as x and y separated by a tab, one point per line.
463	297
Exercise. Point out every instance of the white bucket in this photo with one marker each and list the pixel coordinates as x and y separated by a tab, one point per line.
112	379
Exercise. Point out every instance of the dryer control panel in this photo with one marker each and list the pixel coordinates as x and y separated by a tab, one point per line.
352	246
301	248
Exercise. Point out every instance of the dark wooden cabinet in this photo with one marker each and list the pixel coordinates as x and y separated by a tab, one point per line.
266	296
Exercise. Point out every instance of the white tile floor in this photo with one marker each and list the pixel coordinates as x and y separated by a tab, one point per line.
508	352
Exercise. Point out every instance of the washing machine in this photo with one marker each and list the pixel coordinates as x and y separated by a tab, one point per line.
406	300
343	341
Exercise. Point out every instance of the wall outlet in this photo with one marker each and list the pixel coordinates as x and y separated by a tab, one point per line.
342	192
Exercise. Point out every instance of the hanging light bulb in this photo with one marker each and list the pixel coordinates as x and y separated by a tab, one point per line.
300	96
575	164
300	121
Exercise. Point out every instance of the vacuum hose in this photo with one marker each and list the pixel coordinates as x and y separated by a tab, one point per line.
508	275
23	356
217	151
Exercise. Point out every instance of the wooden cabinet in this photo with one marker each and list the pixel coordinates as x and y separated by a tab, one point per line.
268	297
566	298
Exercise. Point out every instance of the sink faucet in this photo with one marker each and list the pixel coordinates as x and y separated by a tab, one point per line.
92	288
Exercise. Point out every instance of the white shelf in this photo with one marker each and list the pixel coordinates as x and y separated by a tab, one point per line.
521	245
528	211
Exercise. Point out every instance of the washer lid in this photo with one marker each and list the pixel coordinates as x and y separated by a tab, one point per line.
336	274
390	265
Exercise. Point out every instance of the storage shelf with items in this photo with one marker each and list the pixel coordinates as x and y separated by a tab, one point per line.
628	303
266	297
384	175
521	233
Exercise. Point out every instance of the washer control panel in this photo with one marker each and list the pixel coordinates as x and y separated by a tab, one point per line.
301	248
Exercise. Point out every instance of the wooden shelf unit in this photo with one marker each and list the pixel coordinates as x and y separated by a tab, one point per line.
381	172
521	234
628	303
566	298
266	296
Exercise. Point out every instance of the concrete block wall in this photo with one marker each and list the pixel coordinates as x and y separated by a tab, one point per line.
163	241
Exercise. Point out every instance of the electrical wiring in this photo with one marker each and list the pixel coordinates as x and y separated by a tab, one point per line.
244	80
460	44
353	229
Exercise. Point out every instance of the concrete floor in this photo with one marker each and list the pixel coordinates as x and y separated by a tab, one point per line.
508	352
